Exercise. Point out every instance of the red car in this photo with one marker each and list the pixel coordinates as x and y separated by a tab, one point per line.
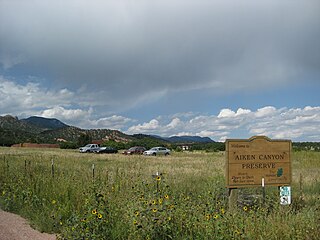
135	150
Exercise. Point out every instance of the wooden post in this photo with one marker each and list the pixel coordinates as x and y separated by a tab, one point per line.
300	188
52	168
4	164
93	171
263	191
7	165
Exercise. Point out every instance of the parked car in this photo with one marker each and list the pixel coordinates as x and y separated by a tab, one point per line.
135	150
89	148
157	151
106	150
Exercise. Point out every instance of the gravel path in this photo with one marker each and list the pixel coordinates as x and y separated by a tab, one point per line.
14	227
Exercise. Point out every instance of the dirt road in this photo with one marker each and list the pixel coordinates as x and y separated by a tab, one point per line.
14	227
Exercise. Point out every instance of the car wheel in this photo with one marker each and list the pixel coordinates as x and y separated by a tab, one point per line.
166	154
154	154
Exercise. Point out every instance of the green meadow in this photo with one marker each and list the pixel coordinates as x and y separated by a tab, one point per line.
181	196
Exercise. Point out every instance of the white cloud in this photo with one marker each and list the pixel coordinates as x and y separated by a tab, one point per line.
32	99
85	119
242	111
149	127
182	134
19	99
65	114
211	134
224	113
265	111
112	122
294	123
175	123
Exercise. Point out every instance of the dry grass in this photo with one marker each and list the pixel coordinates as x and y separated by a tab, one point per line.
196	188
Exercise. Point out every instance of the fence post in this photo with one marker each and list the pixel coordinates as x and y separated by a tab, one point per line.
263	191
93	171
233	198
52	168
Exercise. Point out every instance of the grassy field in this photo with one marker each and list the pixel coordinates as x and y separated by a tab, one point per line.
90	196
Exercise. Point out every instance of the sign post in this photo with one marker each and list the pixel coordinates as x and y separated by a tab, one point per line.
285	195
257	161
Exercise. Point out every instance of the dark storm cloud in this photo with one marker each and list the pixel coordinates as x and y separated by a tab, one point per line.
127	51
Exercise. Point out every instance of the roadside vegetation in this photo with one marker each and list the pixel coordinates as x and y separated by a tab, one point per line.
181	196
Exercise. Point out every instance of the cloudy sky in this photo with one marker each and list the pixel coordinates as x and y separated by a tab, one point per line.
215	68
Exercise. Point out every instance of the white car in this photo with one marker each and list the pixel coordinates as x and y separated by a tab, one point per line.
89	148
157	151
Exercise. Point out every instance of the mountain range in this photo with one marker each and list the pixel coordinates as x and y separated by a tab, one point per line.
45	123
51	130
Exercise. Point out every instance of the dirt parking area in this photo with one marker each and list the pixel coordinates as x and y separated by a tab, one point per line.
14	227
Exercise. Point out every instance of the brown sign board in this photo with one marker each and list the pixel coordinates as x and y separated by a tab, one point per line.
248	161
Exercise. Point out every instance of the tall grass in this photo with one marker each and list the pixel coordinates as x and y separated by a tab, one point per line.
181	196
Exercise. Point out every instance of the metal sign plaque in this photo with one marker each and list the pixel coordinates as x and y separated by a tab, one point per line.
285	195
248	161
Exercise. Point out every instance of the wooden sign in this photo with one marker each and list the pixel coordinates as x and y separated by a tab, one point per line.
251	160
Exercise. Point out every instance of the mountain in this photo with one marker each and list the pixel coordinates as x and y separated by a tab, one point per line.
51	130
190	139
13	123
72	134
12	131
46	130
45	123
186	139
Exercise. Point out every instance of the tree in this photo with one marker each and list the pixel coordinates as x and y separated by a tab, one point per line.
84	139
114	144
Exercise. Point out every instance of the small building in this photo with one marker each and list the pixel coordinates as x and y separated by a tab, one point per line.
185	146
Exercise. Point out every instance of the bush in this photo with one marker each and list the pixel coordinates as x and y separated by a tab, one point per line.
68	145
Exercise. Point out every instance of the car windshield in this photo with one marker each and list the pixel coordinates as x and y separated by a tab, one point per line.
88	145
154	149
132	149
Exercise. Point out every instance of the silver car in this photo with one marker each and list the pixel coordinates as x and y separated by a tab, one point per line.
157	151
89	148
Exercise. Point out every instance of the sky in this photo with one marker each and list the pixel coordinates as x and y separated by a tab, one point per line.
213	68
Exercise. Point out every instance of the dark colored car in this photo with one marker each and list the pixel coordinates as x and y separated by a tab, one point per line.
134	150
106	150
